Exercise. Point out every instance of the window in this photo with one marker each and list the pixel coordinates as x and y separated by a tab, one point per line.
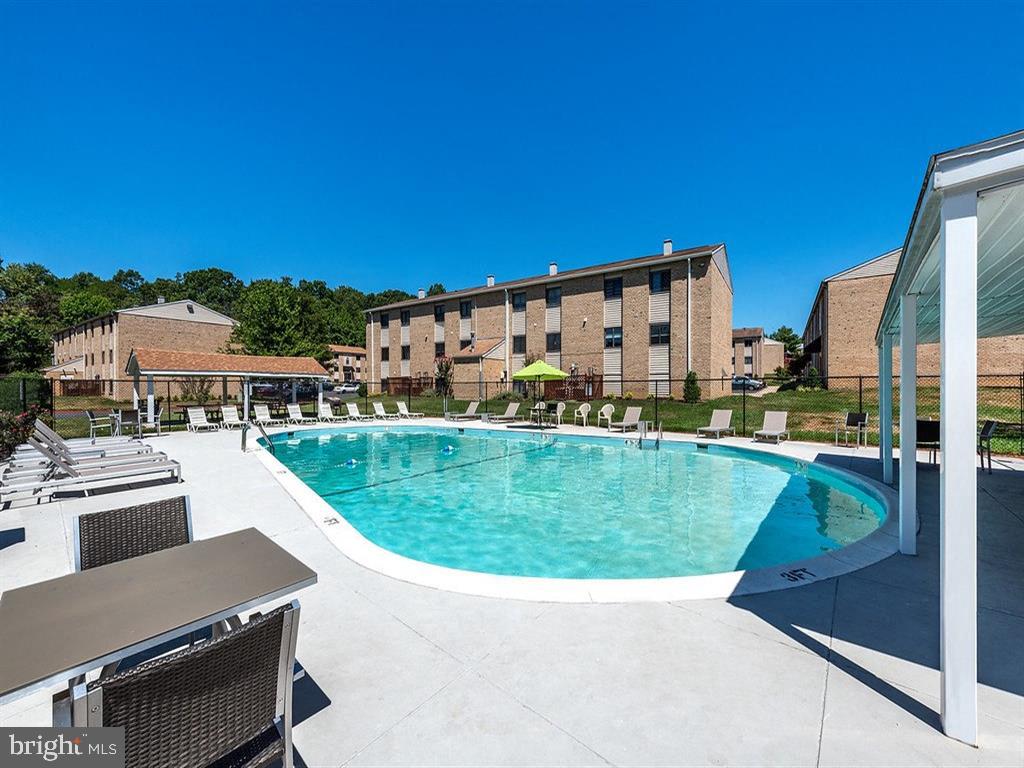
554	342
749	359
519	302
385	319
439	313
613	337
554	297
613	287
660	280
103	357
519	345
385	354
659	333
438	349
404	317
466	309
748	344
405	351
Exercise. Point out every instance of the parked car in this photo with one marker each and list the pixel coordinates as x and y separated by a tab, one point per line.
348	388
748	383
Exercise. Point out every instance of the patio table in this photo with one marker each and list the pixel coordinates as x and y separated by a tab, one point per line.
58	629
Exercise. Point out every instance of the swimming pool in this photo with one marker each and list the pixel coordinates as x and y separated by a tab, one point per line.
524	504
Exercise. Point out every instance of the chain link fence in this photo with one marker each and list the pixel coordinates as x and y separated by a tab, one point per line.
815	407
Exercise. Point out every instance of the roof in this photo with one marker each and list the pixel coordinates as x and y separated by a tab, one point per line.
880	265
179	363
746	333
345	349
640	261
184	309
478	348
74	364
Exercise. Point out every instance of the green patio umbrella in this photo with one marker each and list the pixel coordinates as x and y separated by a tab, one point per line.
539	370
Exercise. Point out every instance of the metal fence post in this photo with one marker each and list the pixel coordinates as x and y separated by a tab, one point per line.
860	394
1020	418
408	395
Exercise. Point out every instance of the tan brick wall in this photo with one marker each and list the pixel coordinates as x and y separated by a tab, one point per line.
677	317
635	331
719	337
583	324
536	337
773	356
854	310
421	340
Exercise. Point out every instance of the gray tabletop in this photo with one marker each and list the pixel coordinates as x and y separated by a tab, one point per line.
63	627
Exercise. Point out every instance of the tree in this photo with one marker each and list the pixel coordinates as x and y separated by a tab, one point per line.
691	388
129	281
444	374
436	289
82	305
215	288
24	341
812	379
788	337
276	318
31	287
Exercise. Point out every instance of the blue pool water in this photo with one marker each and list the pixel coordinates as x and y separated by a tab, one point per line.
572	507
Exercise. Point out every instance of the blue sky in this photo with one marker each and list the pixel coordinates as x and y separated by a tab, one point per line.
396	144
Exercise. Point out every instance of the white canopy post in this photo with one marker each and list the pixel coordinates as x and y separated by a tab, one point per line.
246	385
958	481
319	394
150	400
908	424
295	390
885	406
136	386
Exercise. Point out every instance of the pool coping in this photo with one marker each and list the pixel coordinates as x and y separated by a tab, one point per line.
876	546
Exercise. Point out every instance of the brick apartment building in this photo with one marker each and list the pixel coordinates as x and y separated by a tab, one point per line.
839	338
754	354
347	363
619	327
98	349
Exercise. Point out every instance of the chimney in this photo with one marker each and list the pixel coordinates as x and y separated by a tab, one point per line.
160	299
666	247
490	281
421	294
553	268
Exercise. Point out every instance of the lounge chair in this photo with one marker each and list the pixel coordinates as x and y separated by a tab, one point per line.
631	419
355	415
31	461
559	411
469	414
605	415
988	431
405	413
324	412
721	424
82	447
508	416
263	417
51	459
774	427
197	420
853	422
229	413
295	415
66	477
223	700
582	414
380	413
119	534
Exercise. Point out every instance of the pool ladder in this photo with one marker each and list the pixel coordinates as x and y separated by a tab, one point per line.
641	434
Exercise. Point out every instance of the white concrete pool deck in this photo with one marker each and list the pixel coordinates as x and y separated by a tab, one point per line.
840	672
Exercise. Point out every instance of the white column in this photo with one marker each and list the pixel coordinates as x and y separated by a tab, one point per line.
319	395
245	399
908	424
295	390
958	491
135	391
150	400
885	406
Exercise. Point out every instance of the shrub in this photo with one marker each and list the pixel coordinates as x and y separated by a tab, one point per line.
444	374
196	389
691	389
628	395
15	428
361	392
812	379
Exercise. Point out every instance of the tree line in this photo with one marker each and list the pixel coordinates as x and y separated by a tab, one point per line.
276	317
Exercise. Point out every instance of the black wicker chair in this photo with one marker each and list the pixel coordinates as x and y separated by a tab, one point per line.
988	431
225	701
119	534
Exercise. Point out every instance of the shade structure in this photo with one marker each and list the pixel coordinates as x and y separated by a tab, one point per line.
539	371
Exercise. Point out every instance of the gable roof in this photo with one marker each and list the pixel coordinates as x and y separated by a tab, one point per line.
747	333
717	252
478	348
346	349
183	309
169	362
880	265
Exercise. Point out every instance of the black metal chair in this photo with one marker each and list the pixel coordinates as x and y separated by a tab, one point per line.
928	435
856	423
226	700
118	534
988	431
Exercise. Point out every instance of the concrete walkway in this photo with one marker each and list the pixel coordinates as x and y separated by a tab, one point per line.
843	672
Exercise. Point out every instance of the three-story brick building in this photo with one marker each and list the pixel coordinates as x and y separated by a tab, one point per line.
626	326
